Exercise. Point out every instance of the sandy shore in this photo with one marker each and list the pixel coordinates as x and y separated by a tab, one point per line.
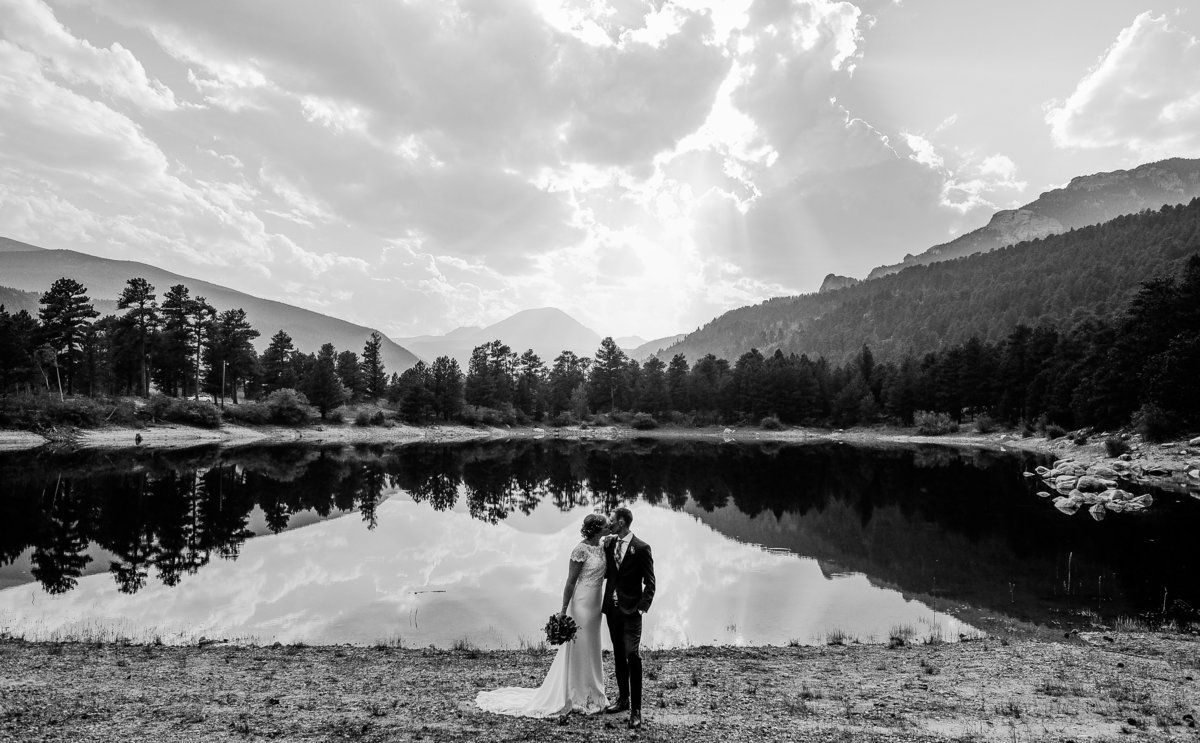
1096	686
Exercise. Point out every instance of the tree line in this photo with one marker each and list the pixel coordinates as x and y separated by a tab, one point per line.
1142	366
180	346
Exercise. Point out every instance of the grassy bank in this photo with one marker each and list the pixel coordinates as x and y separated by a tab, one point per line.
1132	686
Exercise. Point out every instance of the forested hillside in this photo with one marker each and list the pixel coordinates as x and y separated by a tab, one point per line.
1085	201
1060	280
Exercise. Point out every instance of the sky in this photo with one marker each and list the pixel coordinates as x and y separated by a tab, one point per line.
420	165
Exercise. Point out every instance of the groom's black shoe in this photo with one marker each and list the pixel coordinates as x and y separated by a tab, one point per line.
635	719
618	706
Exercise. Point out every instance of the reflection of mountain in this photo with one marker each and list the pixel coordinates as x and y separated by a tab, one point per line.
925	520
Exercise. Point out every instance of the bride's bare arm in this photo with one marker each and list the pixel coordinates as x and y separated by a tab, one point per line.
569	589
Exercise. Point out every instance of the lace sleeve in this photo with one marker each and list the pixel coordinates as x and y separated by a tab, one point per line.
580	553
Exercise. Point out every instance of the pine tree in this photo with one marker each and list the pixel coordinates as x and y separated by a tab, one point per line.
279	371
350	373
138	297
608	379
374	377
323	388
65	311
445	383
230	358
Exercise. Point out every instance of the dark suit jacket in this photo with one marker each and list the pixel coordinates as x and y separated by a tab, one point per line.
633	582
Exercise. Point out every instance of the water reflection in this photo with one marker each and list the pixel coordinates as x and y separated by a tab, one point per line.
487	526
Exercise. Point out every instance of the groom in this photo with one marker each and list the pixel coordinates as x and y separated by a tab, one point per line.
627	596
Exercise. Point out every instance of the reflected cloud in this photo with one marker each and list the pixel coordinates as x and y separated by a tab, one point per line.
433	577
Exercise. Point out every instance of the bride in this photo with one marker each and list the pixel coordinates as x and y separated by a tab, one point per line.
575	680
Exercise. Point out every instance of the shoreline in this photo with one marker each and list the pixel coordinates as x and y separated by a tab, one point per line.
1095	686
1172	466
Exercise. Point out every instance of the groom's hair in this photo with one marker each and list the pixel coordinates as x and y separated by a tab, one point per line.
624	513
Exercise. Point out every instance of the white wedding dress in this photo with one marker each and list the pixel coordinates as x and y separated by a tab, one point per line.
575	680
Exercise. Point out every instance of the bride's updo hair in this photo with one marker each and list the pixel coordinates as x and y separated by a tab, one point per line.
593	524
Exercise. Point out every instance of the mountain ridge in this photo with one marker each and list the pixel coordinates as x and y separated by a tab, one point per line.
36	269
1063	280
1085	200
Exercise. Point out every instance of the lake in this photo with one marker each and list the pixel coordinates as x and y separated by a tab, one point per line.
440	544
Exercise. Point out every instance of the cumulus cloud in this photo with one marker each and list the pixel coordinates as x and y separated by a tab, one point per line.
1143	96
32	26
644	165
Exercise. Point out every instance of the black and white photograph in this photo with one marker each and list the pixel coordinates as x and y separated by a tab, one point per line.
600	370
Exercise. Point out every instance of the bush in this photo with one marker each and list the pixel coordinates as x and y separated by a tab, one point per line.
288	407
1053	431
934	424
1154	423
1115	447
362	418
40	412
678	418
337	415
247	413
771	423
643	422
563	419
985	424
200	413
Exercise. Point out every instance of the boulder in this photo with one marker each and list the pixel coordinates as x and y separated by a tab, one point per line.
1044	472
1099	470
1043	494
1066	505
1090	484
1097	511
1194	442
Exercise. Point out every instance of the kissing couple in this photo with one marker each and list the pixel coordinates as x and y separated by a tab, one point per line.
611	572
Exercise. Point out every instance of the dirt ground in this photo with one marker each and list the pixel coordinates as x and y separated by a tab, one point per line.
1092	687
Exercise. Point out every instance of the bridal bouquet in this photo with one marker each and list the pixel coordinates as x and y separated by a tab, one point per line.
560	629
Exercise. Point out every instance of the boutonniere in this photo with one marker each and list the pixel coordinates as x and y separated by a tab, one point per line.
631	550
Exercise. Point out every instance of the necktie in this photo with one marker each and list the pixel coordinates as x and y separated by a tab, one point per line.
620	551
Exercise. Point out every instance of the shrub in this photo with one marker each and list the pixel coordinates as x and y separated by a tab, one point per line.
771	423
934	424
985	424
679	419
288	407
39	412
1115	447
362	418
337	415
200	413
250	413
563	419
1053	431
644	422
1154	423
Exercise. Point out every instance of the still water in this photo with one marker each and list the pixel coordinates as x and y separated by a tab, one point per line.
435	544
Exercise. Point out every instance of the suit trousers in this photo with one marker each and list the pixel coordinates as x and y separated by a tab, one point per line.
625	630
